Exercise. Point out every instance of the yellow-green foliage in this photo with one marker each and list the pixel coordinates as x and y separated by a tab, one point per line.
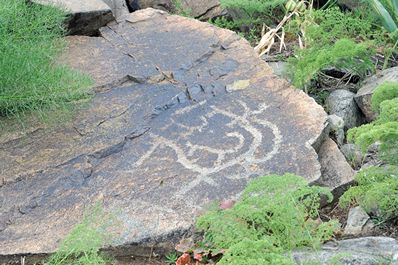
387	90
385	133
275	214
344	54
388	111
30	42
255	8
331	40
82	245
385	128
377	191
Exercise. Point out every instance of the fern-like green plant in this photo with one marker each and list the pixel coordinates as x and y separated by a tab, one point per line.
386	91
332	40
377	192
388	111
345	54
83	243
274	215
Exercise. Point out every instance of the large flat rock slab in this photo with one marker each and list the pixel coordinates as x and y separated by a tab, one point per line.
185	114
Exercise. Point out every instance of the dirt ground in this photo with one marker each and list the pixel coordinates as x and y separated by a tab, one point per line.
141	261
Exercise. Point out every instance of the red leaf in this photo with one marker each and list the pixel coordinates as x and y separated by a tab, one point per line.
185	259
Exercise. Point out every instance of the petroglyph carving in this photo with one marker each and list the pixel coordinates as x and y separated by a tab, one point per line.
243	136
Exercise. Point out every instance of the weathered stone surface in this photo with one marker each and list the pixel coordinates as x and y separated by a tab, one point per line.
364	94
336	128
353	155
166	5
86	17
161	139
341	103
204	10
358	222
119	8
336	172
359	251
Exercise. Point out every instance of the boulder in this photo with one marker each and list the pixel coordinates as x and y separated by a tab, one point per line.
85	17
359	251
119	8
364	94
161	139
341	103
337	174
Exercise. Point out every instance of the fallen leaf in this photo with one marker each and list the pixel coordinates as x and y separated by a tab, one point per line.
185	259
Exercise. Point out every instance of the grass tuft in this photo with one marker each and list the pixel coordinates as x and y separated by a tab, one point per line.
31	80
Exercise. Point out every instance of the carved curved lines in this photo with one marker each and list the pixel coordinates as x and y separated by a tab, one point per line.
246	121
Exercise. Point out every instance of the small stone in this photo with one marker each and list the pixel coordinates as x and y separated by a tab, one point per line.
336	172
357	219
336	128
341	102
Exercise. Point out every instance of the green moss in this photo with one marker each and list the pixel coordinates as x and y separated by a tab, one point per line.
30	77
275	214
377	191
386	91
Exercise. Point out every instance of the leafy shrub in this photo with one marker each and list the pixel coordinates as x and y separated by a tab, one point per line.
82	245
255	8
30	78
250	15
332	39
387	90
249	252
275	214
345	54
377	191
384	133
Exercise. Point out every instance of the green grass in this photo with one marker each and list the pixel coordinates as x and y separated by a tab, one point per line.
31	80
